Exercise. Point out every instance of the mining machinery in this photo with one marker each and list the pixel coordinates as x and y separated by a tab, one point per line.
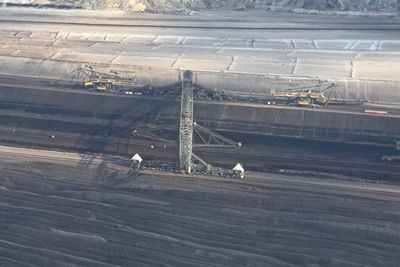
304	96
188	131
301	98
102	81
186	123
310	96
100	85
90	78
192	135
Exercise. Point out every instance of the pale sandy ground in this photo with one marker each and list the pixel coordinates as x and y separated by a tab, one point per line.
303	46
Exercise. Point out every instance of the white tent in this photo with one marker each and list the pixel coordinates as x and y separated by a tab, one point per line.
137	158
238	168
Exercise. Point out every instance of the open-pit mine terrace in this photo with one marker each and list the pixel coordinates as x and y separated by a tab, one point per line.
66	209
251	52
331	140
319	190
242	53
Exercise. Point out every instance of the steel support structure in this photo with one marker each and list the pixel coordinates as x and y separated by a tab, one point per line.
212	139
186	123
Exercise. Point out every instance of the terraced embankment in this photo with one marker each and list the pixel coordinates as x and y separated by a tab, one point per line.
250	53
274	138
328	124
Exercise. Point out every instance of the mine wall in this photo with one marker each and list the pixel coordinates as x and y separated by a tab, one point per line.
383	92
299	123
386	92
99	113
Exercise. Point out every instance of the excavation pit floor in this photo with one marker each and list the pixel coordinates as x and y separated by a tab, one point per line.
66	208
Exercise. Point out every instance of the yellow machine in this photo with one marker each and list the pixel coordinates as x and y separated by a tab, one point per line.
99	84
114	80
301	97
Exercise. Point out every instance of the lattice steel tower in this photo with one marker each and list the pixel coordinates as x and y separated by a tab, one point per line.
186	123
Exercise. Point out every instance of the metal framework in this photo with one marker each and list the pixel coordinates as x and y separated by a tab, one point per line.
88	72
212	139
186	123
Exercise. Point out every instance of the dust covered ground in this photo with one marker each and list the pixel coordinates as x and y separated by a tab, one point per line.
65	209
35	42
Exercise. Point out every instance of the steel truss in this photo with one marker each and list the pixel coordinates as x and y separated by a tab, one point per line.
186	123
